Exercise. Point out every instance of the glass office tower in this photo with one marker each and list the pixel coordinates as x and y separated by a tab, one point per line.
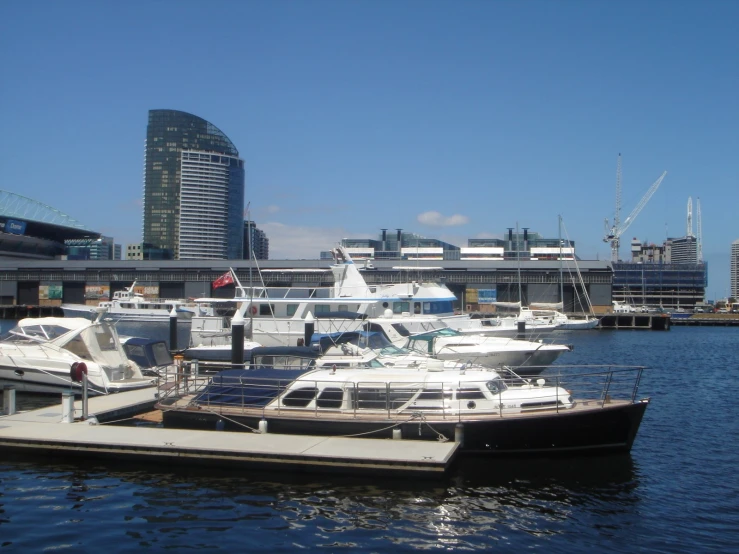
193	190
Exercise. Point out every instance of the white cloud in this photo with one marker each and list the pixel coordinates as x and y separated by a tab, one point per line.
300	243
272	209
435	219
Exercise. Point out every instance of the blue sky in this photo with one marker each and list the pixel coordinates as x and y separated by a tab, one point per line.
448	119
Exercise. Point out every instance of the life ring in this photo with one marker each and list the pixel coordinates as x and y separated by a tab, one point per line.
253	310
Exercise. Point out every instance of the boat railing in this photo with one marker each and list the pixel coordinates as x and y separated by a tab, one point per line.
597	386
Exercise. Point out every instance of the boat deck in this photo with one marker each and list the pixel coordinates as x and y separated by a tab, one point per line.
184	404
40	432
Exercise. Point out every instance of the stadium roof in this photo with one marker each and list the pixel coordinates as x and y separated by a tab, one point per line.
16	206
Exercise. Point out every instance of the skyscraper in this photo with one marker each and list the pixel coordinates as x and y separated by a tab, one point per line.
735	269
193	190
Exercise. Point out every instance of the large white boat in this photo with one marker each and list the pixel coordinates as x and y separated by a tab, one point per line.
276	316
38	355
128	305
484	411
528	357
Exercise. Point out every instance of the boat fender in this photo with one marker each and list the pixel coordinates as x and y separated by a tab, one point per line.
253	310
76	371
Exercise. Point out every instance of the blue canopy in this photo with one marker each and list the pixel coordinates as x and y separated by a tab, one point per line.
248	387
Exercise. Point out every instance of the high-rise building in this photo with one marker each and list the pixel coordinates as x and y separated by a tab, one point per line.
193	190
684	250
735	269
256	240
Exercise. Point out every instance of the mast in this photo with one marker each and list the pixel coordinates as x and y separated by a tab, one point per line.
561	283
518	259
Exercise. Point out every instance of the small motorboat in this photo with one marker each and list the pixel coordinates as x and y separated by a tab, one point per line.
37	355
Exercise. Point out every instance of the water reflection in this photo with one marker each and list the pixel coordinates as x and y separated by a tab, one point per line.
479	503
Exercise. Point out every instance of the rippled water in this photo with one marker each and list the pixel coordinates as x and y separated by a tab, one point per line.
676	492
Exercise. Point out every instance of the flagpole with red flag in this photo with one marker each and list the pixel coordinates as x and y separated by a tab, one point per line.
225	279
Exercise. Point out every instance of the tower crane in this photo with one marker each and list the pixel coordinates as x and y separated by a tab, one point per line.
614	231
690	217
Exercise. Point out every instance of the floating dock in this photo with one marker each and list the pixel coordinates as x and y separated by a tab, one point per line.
650	322
43	432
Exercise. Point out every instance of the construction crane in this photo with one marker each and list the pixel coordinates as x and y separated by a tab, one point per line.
690	217
614	231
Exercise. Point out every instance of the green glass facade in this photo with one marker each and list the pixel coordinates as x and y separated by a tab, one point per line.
168	133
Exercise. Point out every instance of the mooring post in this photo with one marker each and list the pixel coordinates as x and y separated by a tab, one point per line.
84	395
8	400
173	330
310	328
237	340
521	331
68	406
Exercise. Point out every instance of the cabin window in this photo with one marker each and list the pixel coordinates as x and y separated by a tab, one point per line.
470	394
322	308
440	307
266	309
401	329
299	398
416	308
434	394
543	404
330	398
291	309
367	398
343	307
400	307
496	386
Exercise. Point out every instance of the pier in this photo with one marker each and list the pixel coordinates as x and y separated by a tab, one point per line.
43	432
708	320
20	311
639	321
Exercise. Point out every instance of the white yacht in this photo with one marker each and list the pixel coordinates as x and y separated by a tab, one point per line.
39	353
277	316
128	305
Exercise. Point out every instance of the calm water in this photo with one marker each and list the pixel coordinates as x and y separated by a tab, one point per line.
677	491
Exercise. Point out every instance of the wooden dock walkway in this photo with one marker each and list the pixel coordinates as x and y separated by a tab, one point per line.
41	432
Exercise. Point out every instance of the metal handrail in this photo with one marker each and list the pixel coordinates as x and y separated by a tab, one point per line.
582	387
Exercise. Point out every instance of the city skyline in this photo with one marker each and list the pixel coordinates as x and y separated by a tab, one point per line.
452	121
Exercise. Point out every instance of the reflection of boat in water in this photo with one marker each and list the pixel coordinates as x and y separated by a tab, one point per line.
577	413
128	305
38	354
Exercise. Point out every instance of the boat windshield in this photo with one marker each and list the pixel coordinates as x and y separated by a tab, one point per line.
441	332
34	332
392	350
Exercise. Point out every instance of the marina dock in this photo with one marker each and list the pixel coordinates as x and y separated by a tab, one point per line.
653	322
42	432
708	320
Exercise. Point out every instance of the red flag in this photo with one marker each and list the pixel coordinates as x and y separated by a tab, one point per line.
223	280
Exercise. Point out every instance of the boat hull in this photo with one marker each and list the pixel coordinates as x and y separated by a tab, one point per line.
29	379
585	428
